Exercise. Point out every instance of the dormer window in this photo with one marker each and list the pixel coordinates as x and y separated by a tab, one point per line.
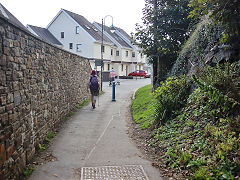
87	27
95	29
62	34
77	29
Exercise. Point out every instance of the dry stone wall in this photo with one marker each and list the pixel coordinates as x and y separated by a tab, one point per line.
39	85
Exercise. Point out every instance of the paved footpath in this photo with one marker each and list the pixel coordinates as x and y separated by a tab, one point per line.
94	143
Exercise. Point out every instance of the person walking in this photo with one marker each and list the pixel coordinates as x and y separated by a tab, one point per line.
111	76
94	87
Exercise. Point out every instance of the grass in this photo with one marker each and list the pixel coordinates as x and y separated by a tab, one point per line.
142	106
81	105
27	173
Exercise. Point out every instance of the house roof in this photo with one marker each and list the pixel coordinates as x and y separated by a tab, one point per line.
124	33
45	34
115	36
88	27
4	12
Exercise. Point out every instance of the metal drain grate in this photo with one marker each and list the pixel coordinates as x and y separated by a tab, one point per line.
130	172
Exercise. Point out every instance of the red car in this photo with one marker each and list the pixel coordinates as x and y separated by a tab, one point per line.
140	73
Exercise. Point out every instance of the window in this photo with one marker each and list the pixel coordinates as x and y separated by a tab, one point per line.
108	67
117	53
133	54
77	29
70	45
122	67
62	34
111	52
102	48
126	53
87	27
95	29
141	55
79	47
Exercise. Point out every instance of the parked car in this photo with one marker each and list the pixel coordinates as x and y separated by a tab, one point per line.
140	73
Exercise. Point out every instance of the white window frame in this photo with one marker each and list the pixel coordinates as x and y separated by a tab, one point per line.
133	54
79	47
77	29
70	45
102	48
117	53
62	35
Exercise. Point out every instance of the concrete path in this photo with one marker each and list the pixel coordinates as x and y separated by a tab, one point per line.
95	140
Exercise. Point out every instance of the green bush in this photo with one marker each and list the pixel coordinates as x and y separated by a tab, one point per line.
171	97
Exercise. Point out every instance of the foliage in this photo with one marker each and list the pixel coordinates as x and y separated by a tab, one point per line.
200	42
171	97
203	138
79	106
165	28
50	136
27	173
41	147
227	12
142	109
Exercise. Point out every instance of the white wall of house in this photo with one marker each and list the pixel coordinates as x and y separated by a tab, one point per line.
124	69
126	55
64	23
107	51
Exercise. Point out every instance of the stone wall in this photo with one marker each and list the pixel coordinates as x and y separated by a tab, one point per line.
39	85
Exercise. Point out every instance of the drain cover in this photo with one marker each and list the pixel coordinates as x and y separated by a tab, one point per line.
130	172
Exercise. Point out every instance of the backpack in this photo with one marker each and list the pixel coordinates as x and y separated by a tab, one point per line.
93	84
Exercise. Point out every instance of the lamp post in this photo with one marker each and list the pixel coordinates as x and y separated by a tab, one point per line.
112	29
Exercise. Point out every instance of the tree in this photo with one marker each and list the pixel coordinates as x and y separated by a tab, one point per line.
165	28
225	12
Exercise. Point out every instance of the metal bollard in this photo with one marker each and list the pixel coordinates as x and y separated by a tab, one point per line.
113	91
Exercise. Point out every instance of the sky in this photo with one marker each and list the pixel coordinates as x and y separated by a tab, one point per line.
125	13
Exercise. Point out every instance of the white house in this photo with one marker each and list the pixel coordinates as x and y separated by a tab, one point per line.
77	35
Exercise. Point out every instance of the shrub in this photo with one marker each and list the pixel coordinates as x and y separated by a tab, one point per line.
171	97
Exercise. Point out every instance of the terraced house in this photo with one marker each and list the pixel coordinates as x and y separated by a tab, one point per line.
76	34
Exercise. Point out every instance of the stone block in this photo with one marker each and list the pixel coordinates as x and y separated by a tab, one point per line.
3	100
2	154
9	107
10	98
29	62
6	51
3	60
4	118
2	109
10	151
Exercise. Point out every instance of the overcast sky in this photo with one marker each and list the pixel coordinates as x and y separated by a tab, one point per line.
126	13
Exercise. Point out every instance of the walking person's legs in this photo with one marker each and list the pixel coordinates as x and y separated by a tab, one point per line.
94	98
